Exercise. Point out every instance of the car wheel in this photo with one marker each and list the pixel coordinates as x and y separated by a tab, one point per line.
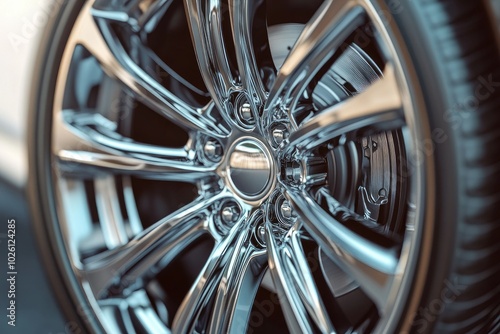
269	166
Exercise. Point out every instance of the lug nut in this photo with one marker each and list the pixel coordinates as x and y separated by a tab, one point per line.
260	234
213	150
279	135
230	214
246	112
293	171
286	210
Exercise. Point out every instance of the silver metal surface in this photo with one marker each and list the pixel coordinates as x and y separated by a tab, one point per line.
261	184
246	112
383	110
250	168
280	134
213	150
286	210
230	214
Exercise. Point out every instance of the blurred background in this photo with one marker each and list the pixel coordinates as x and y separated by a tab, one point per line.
21	27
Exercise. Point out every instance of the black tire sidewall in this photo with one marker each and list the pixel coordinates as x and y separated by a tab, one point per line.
446	117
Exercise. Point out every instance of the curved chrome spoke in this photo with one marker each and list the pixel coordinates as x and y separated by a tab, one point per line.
298	294
242	13
373	266
320	39
84	151
380	106
205	23
237	289
82	164
137	13
152	249
211	48
212	302
102	44
110	216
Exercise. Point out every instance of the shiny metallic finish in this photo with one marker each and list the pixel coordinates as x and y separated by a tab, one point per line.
261	234
213	150
280	134
249	169
286	210
293	171
259	163
246	112
230	214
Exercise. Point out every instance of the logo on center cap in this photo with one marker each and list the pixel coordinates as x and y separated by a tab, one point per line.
250	168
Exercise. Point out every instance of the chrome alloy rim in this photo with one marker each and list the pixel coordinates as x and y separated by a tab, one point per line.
310	201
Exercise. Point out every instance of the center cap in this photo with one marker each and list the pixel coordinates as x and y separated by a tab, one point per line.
250	169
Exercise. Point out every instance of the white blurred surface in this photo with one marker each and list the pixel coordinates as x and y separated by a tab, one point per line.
21	23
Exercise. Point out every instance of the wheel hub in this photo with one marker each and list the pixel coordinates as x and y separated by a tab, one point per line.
250	169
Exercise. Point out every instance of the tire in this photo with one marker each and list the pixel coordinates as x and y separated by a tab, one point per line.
464	231
446	60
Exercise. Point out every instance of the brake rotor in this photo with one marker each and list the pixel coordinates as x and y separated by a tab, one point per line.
362	172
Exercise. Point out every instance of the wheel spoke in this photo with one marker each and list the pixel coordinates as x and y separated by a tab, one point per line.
298	294
151	250
104	45
372	265
380	106
320	39
205	23
331	102
237	289
136	13
110	216
243	14
222	296
84	151
211	48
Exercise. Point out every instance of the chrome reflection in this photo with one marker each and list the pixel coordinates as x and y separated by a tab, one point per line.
249	168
